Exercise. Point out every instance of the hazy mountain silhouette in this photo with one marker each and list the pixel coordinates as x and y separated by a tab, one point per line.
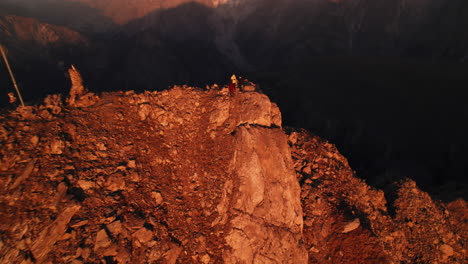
74	15
124	11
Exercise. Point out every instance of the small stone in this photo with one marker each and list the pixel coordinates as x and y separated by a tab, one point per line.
101	146
90	157
115	227
102	154
108	220
86	185
69	167
307	169
34	140
56	147
26	113
102	240
144	111
78	252
447	251
115	183
172	255
123	256
205	259
86	253
351	226
82	223
131	164
143	235
111	251
157	197
314	249
317	212
134	176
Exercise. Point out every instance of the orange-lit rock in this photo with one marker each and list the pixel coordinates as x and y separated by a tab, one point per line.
204	177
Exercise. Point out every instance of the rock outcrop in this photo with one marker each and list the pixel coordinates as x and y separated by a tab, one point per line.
79	95
266	214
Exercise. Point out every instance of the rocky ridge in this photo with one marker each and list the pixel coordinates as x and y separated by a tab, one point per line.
193	176
346	221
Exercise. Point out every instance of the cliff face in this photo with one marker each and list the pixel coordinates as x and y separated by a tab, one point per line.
192	176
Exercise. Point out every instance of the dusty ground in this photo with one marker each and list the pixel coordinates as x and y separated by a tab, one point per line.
140	178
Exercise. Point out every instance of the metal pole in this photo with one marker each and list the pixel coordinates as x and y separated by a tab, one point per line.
11	75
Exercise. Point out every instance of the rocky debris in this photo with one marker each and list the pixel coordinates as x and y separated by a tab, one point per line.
346	221
79	96
50	235
148	178
248	88
52	106
27	171
245	108
427	226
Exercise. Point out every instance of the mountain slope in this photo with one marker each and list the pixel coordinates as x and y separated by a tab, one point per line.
71	14
179	175
192	176
16	31
122	11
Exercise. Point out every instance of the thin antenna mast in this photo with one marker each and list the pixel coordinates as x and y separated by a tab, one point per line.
11	74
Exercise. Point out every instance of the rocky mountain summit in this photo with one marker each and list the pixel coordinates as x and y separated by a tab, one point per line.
189	175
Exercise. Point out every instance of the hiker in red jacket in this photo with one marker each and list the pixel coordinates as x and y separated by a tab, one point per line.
233	84
231	88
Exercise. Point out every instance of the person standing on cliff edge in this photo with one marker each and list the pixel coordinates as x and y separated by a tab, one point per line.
234	80
231	88
232	85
